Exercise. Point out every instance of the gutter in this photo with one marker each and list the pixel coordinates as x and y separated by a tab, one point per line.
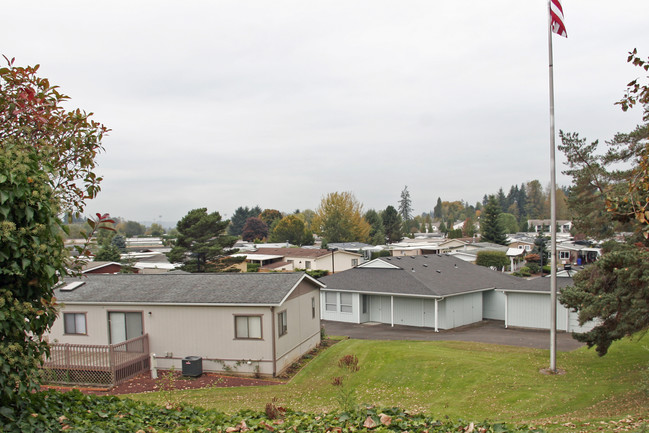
272	330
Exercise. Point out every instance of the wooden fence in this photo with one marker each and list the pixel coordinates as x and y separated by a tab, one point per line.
99	365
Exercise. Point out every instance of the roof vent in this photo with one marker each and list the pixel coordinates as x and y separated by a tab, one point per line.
438	271
439	255
398	258
425	265
70	287
413	269
455	265
425	256
412	257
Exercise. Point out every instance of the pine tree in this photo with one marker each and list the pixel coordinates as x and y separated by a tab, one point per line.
491	230
391	224
437	212
201	242
405	205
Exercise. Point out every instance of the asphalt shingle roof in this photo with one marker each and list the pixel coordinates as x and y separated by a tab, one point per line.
427	275
542	284
224	288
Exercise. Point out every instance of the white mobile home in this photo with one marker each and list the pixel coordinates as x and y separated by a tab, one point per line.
260	323
435	291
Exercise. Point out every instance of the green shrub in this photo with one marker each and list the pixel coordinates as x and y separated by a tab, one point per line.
492	258
533	267
524	271
252	267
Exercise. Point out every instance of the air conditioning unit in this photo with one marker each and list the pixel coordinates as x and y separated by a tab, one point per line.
192	366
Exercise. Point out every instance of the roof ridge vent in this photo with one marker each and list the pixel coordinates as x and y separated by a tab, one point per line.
71	286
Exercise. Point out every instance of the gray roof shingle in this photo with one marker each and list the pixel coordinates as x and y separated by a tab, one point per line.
223	288
427	275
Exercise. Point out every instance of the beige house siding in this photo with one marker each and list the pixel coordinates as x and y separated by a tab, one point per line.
303	325
342	261
179	331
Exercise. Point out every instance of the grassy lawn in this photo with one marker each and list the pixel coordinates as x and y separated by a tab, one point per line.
471	381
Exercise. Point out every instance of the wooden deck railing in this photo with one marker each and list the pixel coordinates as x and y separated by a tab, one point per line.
87	364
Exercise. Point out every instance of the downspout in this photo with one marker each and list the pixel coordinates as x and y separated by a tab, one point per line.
392	311
272	330
506	302
437	314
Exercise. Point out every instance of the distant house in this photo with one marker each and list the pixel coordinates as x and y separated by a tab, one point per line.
440	292
435	291
426	246
543	225
258	323
576	254
526	245
93	267
291	259
528	306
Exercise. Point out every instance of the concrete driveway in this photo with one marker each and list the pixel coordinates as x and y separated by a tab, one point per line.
487	331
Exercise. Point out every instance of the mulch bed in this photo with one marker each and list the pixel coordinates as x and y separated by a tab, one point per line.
144	383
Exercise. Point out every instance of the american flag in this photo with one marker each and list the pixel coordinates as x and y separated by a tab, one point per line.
556	13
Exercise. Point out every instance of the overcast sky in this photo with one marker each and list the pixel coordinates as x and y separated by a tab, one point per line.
222	104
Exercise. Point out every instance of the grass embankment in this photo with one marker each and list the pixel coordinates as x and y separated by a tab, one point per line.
462	380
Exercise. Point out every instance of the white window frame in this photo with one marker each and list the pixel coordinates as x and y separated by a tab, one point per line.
346	307
329	305
564	255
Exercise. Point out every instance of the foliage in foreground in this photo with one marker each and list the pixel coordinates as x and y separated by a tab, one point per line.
76	412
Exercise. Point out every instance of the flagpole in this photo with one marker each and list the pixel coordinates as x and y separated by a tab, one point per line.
553	212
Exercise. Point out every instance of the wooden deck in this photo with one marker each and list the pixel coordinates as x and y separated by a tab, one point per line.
105	365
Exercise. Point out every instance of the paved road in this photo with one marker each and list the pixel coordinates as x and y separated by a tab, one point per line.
487	331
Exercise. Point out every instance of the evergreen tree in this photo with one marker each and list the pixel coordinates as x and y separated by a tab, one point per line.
108	253
502	200
437	212
491	230
614	291
405	205
239	218
521	201
391	224
201	243
377	233
535	208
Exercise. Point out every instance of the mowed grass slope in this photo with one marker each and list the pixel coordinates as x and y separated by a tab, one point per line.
459	379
